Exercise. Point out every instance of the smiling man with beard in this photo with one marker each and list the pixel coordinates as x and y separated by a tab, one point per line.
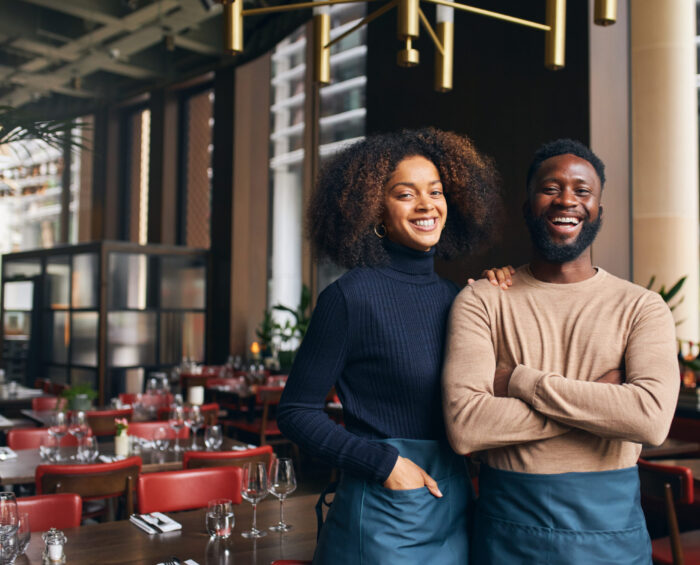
555	385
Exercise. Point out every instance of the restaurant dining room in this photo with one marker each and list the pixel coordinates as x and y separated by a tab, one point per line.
231	332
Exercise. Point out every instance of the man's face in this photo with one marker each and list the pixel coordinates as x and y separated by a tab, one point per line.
563	212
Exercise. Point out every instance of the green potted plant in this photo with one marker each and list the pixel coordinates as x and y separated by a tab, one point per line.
293	329
80	396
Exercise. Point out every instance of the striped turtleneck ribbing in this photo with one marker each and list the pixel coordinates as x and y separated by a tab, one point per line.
377	335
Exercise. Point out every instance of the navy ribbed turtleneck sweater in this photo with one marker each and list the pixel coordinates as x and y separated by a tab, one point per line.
378	335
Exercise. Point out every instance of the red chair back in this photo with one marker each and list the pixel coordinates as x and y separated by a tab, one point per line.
653	477
199	459
47	511
146	430
129	397
171	491
102	421
31	438
91	481
43	403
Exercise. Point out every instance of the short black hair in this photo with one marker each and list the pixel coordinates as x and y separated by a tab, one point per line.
562	147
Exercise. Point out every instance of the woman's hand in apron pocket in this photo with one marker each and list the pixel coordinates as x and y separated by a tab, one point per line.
406	475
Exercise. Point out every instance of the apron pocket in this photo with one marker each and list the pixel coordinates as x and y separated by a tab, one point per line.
414	525
498	541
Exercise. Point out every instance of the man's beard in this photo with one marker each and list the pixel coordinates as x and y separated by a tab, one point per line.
555	252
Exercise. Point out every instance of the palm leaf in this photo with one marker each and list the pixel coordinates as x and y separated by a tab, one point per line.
17	127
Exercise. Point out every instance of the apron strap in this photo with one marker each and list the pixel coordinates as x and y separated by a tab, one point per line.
330	489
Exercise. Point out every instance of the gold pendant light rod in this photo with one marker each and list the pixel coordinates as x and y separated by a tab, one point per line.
489	14
367	19
299	6
410	17
430	31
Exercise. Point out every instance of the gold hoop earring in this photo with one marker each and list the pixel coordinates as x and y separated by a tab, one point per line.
382	234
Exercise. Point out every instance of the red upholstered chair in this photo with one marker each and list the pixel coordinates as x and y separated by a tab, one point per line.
671	484
171	491
129	397
146	430
102	421
52	511
199	459
263	430
31	438
92	481
43	403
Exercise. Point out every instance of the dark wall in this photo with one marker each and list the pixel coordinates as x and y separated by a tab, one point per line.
503	98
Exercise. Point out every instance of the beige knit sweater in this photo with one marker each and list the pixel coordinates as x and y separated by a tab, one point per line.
559	338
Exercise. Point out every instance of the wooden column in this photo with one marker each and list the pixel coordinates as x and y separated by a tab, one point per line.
106	175
162	178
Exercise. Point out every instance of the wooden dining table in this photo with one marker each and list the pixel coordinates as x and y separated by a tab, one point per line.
20	470
123	543
671	447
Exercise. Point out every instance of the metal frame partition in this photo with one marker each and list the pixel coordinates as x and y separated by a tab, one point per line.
102	313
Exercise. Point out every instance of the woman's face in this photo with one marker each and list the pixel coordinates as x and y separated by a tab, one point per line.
415	208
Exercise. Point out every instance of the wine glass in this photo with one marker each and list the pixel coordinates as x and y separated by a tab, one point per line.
9	522
195	420
24	534
177	422
213	437
58	429
254	489
9	515
78	428
282	483
90	449
161	439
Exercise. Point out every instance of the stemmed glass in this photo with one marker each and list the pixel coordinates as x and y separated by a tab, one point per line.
79	428
177	422
213	437
9	523
282	483
58	429
254	489
90	449
194	422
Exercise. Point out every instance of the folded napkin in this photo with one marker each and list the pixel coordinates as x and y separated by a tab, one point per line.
243	447
7	453
111	458
155	523
185	562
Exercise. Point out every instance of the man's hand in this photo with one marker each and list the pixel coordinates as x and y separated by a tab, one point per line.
407	475
614	377
501	380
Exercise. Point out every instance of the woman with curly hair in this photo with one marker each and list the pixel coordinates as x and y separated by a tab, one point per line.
377	334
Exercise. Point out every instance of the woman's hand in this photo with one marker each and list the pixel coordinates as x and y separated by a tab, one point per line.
407	475
497	276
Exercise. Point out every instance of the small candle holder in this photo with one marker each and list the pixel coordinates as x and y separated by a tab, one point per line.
53	552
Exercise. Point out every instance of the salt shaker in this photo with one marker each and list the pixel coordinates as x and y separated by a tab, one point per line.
53	553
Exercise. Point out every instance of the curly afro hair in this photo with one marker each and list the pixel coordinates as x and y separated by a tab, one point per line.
349	197
563	147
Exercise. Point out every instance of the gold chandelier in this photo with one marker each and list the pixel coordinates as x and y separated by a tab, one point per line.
409	18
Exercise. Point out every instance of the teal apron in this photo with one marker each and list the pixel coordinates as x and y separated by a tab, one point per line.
563	519
368	524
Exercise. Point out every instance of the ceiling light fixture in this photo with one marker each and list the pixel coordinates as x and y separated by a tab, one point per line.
410	17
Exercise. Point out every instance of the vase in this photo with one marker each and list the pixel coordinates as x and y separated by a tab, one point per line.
121	445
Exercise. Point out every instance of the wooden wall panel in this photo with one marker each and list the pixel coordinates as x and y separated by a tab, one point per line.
503	98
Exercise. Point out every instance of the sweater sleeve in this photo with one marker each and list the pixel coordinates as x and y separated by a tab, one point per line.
474	417
317	367
639	410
